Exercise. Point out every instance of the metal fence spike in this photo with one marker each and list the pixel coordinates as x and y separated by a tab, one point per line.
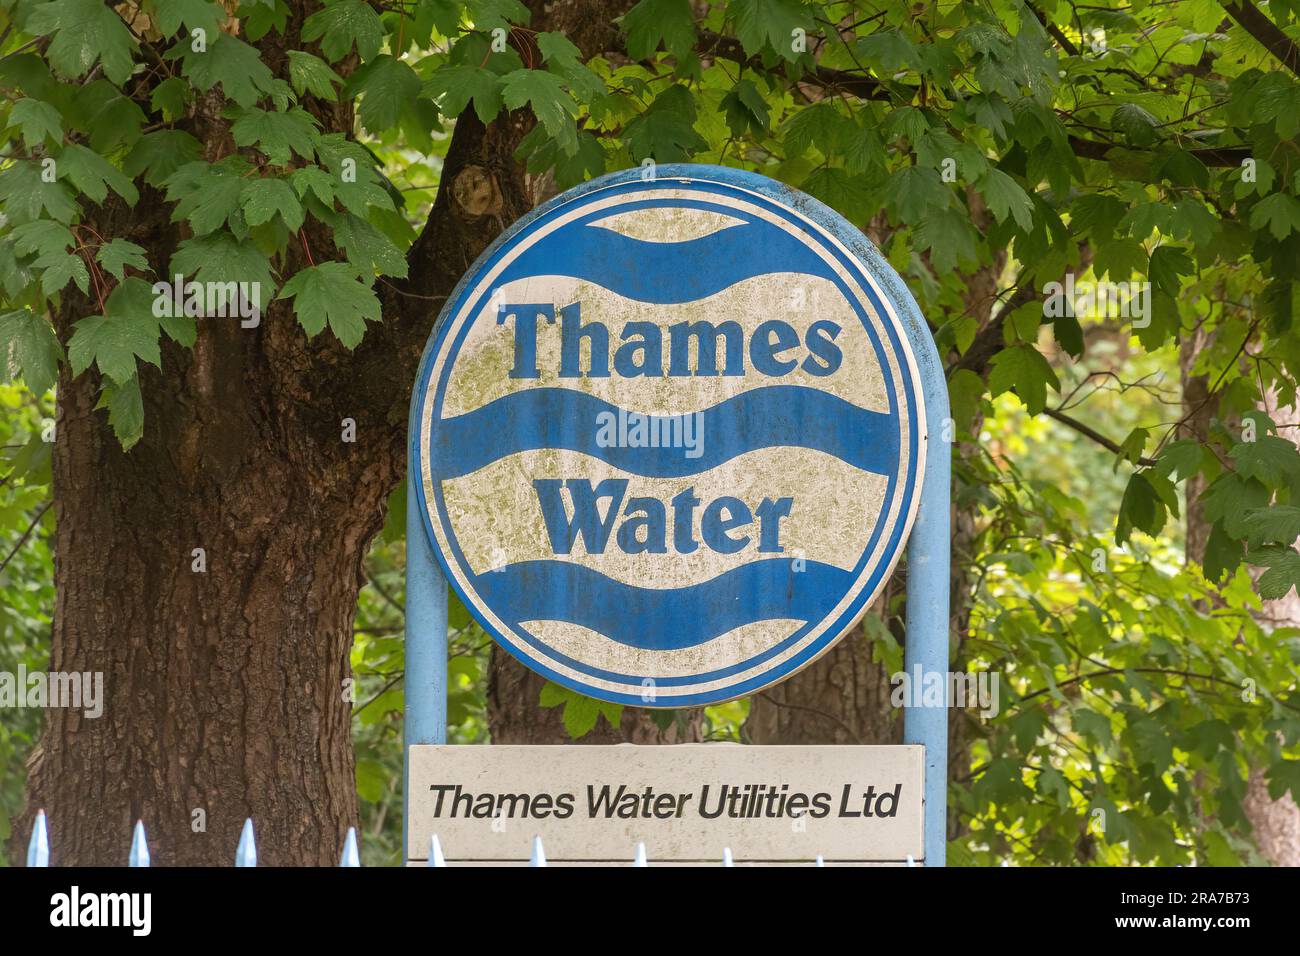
819	861
350	855
910	861
726	857
435	852
246	852
38	847
539	855
638	858
139	847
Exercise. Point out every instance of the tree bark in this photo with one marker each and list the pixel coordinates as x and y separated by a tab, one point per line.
224	687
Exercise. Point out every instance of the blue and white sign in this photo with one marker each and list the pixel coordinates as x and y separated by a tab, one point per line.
670	435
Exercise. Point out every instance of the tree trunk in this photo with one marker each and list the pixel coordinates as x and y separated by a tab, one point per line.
223	669
1276	823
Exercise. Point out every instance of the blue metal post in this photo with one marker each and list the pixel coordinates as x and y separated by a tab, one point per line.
426	646
928	557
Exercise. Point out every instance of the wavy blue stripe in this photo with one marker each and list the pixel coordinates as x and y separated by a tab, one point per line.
666	272
663	619
790	415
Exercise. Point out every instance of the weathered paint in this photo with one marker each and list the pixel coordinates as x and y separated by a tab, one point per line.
696	618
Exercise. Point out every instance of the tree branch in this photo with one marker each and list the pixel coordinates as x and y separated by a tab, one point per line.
1054	31
26	534
872	89
1089	432
989	340
1268	33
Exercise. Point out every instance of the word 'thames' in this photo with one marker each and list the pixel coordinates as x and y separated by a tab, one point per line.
771	348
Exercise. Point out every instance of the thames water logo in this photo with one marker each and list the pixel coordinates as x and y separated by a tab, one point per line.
671	436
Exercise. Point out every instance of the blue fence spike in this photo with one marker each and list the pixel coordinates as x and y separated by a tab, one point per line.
246	852
639	858
139	847
38	847
910	861
819	861
350	855
539	855
435	852
726	857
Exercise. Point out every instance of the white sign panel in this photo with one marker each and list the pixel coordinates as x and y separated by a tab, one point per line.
686	803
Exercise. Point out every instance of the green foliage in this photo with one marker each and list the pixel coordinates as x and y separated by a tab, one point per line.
769	23
652	23
332	293
343	25
545	94
232	65
1119	693
310	74
83	33
580	712
33	350
665	132
26	557
113	341
1022	368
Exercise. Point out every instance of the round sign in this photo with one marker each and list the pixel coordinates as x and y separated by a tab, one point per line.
670	436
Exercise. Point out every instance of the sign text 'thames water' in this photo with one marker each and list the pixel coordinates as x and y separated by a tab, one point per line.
670	437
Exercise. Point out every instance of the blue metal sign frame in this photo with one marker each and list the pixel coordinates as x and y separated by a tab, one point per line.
927	644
